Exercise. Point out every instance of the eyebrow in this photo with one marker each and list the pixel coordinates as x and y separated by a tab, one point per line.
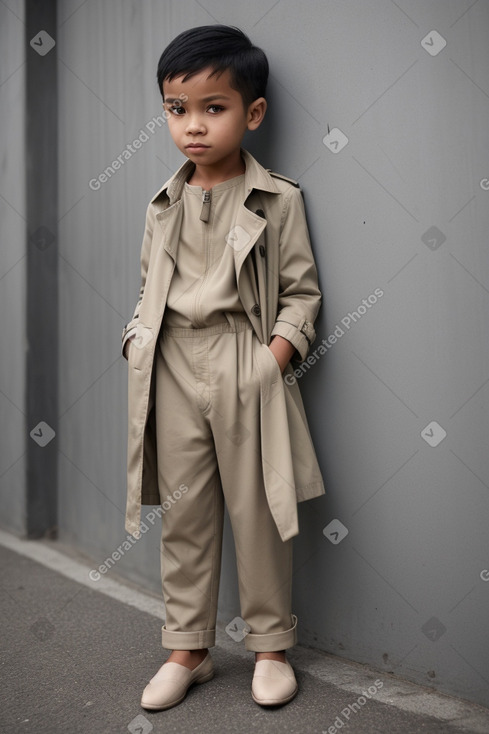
171	100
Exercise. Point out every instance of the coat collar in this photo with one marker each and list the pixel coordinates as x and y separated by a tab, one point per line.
256	177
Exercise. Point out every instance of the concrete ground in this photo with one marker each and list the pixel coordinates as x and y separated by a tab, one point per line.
76	656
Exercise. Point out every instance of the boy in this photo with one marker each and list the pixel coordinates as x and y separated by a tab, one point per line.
229	295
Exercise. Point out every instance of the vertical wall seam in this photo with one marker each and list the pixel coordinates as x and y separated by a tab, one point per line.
41	326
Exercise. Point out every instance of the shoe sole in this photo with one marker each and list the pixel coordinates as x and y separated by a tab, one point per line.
155	707
274	702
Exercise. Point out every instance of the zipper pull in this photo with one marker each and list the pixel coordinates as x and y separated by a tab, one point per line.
206	206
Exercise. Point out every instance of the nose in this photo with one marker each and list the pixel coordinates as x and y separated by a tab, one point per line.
195	124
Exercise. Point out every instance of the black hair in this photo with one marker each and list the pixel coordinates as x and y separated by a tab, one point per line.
218	47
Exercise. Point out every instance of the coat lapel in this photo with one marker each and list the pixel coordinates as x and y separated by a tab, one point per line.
170	222
247	229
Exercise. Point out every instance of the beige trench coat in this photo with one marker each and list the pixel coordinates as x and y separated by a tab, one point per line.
277	284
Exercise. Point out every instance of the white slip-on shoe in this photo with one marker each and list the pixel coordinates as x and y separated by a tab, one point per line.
273	683
170	684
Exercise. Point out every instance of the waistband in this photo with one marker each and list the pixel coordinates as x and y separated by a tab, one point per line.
232	323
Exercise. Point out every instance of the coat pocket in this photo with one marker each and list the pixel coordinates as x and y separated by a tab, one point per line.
138	345
275	371
133	355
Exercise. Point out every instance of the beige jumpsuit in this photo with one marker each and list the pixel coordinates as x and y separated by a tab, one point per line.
208	441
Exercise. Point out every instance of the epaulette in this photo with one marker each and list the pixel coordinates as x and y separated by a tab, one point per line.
284	178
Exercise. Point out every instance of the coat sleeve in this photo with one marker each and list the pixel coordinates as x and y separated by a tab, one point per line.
299	295
129	329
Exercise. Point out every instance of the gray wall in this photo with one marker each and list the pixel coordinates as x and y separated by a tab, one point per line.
402	207
13	422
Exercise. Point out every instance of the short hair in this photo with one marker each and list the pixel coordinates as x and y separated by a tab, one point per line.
218	47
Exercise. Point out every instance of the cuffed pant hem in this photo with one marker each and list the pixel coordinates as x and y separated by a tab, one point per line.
200	639
274	641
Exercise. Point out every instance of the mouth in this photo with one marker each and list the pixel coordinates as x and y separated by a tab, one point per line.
196	146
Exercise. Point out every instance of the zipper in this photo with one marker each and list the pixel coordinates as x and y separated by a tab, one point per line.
206	206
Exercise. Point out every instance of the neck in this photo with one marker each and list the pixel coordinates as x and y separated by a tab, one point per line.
209	176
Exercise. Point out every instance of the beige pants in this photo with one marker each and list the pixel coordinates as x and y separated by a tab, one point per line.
208	429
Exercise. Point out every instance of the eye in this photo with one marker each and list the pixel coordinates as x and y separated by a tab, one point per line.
174	108
215	108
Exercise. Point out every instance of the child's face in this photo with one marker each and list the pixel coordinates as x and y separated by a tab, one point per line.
208	127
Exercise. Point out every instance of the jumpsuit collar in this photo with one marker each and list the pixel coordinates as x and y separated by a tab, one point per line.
256	177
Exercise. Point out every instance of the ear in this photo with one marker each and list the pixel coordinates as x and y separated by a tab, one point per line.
256	113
